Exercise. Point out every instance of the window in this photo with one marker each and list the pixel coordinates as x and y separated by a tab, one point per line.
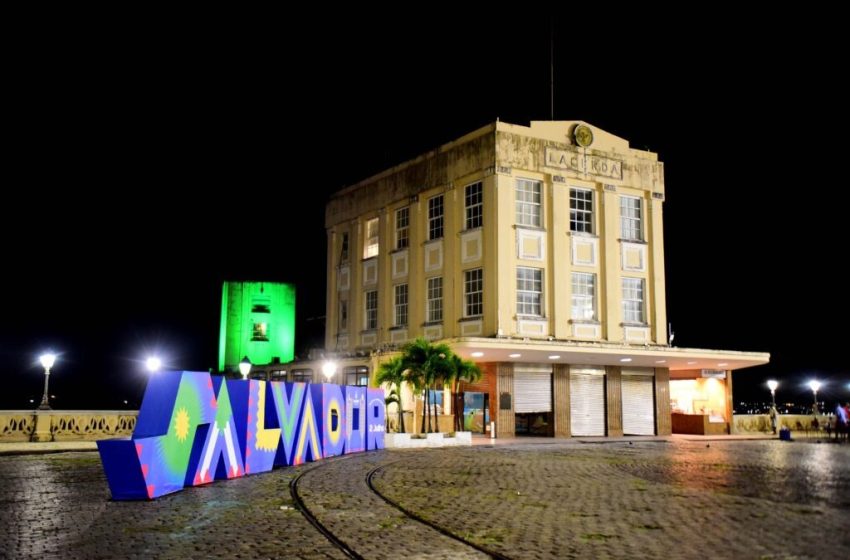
435	299
473	293
370	241
402	227
630	218
584	296
581	210
633	300
343	251
343	315
474	206
371	310
400	305
435	217
261	305
302	376
260	332
357	376
528	203
529	291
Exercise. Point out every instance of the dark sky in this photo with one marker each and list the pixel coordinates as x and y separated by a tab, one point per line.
143	167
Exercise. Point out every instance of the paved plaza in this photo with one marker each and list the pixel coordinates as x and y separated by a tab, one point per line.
616	498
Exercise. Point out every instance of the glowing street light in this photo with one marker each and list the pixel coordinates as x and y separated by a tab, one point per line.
814	385
47	360
245	367
772	384
329	369
153	364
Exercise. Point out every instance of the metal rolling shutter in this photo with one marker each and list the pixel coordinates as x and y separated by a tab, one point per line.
638	404
587	404
532	388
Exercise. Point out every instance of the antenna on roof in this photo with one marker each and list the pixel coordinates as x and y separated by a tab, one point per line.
551	68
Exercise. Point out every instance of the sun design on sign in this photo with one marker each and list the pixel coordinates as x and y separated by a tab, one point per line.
181	424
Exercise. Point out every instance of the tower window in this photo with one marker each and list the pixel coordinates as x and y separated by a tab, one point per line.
261	305
261	332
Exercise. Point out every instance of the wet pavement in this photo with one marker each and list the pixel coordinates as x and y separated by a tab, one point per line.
58	506
563	499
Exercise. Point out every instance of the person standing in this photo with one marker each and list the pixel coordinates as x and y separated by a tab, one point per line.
774	417
841	421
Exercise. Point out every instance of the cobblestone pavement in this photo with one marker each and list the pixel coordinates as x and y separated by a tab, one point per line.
754	499
731	499
338	495
58	506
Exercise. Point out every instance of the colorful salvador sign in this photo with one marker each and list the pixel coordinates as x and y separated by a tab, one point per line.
194	428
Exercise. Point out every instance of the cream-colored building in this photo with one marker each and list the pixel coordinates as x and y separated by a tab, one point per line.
536	251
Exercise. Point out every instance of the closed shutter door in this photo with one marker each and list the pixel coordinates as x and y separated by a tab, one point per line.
587	404
638	405
532	388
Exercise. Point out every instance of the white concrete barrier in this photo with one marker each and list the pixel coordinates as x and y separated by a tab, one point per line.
411	441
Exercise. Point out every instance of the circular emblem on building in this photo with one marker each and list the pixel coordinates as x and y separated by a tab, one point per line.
583	135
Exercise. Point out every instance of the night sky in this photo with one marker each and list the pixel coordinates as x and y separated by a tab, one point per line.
141	169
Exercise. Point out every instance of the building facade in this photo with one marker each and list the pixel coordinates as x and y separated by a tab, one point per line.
538	253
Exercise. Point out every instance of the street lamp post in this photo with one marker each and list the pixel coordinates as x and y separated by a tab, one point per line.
329	369
47	360
245	367
814	386
153	364
772	384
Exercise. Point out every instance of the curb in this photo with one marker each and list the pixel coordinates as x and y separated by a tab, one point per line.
43	449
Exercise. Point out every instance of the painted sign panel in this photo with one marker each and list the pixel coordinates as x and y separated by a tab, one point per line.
194	428
355	419
584	163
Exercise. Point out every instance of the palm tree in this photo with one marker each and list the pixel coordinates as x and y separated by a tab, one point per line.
464	371
415	356
427	364
442	368
392	372
390	399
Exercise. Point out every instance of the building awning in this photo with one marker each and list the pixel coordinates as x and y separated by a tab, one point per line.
564	352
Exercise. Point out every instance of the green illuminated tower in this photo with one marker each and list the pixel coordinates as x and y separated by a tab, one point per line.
257	321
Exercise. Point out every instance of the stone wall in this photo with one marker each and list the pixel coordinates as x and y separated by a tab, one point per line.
760	423
65	425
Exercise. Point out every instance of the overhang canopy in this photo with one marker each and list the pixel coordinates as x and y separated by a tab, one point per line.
589	353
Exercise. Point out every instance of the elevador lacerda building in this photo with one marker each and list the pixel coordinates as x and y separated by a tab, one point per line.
538	252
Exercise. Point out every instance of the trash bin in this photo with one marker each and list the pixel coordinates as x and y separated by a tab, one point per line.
785	434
